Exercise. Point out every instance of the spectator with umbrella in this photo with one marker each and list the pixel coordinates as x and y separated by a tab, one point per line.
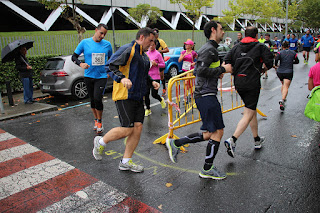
17	51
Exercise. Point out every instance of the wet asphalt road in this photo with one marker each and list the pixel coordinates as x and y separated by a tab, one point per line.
283	176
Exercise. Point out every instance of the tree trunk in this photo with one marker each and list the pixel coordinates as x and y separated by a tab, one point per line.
75	21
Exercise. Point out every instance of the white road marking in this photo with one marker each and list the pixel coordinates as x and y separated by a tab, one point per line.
32	176
6	136
17	152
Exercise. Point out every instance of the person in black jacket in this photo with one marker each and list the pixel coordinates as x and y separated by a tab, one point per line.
247	60
207	71
25	71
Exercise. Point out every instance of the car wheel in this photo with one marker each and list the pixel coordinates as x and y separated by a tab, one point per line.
173	71
79	89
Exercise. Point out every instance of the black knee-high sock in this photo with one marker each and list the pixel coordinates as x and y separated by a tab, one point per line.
212	150
192	138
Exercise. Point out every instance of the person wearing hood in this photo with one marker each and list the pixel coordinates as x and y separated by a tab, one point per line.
248	59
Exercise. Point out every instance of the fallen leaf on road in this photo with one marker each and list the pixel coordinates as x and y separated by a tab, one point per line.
57	114
160	207
116	116
61	105
294	136
33	113
59	109
168	185
38	121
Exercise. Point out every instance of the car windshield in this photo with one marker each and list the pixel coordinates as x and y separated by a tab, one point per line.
54	64
171	51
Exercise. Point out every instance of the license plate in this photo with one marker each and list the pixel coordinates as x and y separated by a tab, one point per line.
46	87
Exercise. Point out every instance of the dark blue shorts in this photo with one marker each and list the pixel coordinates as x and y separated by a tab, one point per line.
210	112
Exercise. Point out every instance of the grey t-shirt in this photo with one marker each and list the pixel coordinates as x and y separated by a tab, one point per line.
287	58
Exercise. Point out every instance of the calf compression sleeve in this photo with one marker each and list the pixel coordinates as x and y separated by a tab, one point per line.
192	138
212	150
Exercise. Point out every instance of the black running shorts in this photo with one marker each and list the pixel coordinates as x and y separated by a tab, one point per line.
306	49
130	111
210	112
250	97
282	76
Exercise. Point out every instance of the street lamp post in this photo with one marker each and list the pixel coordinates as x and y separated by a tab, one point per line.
114	39
286	17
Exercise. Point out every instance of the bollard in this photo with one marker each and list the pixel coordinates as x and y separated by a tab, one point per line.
9	93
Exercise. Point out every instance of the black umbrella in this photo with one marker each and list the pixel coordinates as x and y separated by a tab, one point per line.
11	50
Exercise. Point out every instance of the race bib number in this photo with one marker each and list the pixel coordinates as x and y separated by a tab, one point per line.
98	59
292	45
186	65
276	50
267	44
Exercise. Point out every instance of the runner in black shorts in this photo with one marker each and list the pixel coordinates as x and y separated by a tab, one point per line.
129	67
287	58
247	82
307	42
207	72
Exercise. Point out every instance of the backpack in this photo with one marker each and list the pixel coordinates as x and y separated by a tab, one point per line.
246	74
312	109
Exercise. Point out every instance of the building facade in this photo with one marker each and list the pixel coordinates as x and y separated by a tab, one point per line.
29	15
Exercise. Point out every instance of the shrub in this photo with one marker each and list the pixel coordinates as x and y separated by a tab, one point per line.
8	72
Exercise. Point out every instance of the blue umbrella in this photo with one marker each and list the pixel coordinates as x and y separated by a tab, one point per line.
11	50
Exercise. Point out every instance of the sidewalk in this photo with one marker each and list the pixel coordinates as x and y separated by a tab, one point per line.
20	109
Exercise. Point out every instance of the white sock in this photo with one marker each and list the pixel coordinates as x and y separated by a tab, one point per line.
125	160
101	142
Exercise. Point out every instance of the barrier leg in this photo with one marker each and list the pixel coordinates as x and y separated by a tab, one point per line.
261	113
163	138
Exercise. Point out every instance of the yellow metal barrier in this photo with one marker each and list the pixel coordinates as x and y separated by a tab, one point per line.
185	113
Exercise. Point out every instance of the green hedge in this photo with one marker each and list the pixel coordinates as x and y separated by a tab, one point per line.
8	72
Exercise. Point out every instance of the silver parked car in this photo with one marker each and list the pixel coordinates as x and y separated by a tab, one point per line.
62	76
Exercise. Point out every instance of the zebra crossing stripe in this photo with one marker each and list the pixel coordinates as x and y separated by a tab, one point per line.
17	152
26	161
46	193
34	181
11	143
97	197
6	136
32	176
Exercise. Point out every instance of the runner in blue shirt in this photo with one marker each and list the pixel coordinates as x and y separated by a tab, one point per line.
278	45
293	43
287	38
96	52
307	43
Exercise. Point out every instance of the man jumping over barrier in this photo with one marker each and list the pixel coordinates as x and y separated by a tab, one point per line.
247	60
207	71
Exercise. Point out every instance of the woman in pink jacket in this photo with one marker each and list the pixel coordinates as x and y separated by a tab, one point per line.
157	62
